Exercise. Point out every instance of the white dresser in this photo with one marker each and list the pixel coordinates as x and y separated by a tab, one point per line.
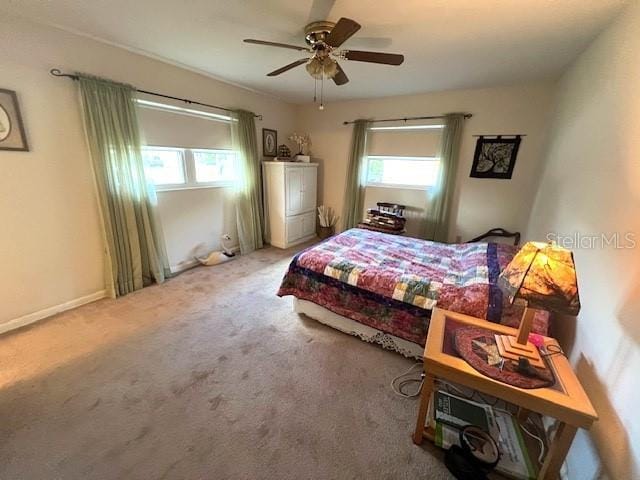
290	191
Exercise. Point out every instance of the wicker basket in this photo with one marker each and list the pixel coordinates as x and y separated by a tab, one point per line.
325	232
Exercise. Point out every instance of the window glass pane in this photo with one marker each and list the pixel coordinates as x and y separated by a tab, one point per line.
214	165
414	171
164	166
375	170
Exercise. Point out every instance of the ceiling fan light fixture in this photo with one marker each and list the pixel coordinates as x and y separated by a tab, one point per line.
322	67
314	68
330	67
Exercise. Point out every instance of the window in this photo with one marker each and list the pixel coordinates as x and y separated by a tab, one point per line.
214	165
182	168
164	166
402	172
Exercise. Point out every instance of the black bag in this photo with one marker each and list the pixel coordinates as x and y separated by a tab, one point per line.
464	462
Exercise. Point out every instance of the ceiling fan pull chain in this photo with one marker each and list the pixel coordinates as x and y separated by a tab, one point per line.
322	90
315	89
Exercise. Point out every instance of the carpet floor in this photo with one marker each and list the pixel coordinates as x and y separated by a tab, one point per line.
208	376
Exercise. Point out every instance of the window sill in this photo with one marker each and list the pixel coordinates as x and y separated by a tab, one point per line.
192	187
399	187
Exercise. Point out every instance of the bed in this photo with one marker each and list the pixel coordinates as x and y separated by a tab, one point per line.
383	287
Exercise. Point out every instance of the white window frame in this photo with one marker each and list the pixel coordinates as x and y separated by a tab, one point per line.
170	186
189	169
397	185
192	163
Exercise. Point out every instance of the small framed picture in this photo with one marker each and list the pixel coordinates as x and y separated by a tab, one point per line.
269	142
495	157
12	135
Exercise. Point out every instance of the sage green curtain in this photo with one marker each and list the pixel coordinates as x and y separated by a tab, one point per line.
356	176
249	212
135	252
439	197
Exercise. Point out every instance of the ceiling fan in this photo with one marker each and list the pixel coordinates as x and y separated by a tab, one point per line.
323	39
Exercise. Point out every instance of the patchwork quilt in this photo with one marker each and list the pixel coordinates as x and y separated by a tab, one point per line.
391	283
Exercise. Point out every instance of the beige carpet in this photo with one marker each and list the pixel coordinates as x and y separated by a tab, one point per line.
209	376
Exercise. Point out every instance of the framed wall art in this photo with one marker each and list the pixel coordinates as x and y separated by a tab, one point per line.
12	134
495	157
269	143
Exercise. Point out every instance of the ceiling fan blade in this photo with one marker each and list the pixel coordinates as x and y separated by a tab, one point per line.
342	31
287	67
340	78
276	44
374	57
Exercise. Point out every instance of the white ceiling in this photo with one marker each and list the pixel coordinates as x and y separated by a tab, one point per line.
447	44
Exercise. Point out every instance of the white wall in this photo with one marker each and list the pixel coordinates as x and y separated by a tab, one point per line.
193	222
51	247
479	204
591	186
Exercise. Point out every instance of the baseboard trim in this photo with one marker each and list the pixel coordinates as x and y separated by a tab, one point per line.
564	475
184	265
47	312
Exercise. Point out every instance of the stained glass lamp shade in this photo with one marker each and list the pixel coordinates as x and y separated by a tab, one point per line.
543	275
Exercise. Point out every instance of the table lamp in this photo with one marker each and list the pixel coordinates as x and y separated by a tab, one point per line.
543	275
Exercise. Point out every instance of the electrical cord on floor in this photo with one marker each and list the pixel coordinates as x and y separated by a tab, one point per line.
401	381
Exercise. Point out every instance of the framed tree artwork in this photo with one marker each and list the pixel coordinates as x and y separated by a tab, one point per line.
495	157
269	142
12	134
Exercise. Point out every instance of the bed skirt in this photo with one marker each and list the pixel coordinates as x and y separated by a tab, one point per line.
363	332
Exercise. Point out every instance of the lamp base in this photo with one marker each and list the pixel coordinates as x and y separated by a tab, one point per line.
509	348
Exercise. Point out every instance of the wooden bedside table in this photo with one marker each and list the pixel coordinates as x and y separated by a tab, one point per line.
566	401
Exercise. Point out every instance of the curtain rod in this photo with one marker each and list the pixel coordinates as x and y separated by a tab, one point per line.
433	117
57	73
499	136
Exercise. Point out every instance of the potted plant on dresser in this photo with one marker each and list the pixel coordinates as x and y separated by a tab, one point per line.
303	143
